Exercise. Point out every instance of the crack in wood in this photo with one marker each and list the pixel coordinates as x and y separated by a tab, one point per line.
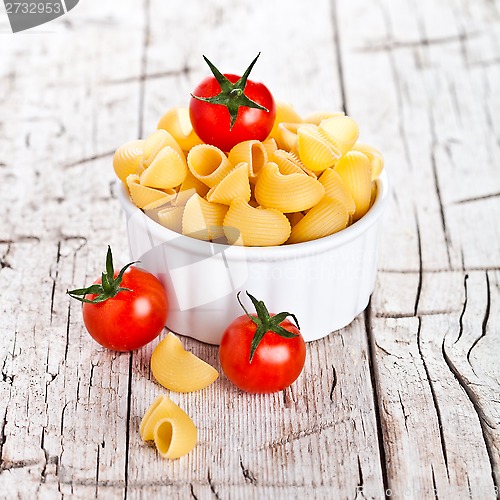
247	473
420	266
338	54
128	424
211	484
484	324
191	489
334	382
89	159
372	363
54	280
477	198
434	397
184	71
144	66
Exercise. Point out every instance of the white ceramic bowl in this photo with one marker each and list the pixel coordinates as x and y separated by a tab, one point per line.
326	282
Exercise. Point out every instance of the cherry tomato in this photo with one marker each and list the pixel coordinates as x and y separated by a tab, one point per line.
124	310
262	353
226	109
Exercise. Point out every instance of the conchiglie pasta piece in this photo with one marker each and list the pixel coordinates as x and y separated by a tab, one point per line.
270	145
179	370
155	143
251	152
289	163
191	183
336	189
342	132
374	156
315	150
167	170
294	218
235	184
127	159
317	118
284	114
171	218
325	218
176	121
354	169
172	430
255	227
208	164
287	193
202	219
286	136
143	196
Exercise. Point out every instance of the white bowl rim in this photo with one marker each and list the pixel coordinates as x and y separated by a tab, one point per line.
294	250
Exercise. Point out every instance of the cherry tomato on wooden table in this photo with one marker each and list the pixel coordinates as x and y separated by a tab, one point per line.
123	310
262	353
226	109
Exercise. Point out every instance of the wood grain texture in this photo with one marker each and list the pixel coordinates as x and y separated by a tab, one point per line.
404	402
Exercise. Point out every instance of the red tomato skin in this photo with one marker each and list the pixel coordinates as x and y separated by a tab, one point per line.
129	320
211	121
276	364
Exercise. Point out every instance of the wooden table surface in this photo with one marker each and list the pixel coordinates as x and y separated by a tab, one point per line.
404	402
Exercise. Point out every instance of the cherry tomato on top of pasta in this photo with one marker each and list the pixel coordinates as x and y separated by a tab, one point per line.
262	353
123	310
226	109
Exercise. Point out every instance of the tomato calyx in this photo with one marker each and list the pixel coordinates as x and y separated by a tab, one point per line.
107	289
266	323
232	95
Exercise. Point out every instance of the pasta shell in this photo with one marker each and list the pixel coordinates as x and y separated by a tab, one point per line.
315	150
270	145
127	159
251	152
294	218
336	189
172	430
374	156
289	163
167	171
179	370
354	169
155	143
202	219
143	196
208	164
192	184
317	118
171	218
286	136
325	218
176	121
235	184
287	193
342	132
255	227
284	114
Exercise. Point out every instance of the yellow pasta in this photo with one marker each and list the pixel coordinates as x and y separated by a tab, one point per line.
286	136
273	190
325	218
167	170
342	132
270	145
180	370
155	143
317	118
143	196
354	169
193	185
289	163
374	156
176	121
315	150
249	226
202	219
336	189
284	114
251	152
171	218
127	159
208	164
235	184
172	430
